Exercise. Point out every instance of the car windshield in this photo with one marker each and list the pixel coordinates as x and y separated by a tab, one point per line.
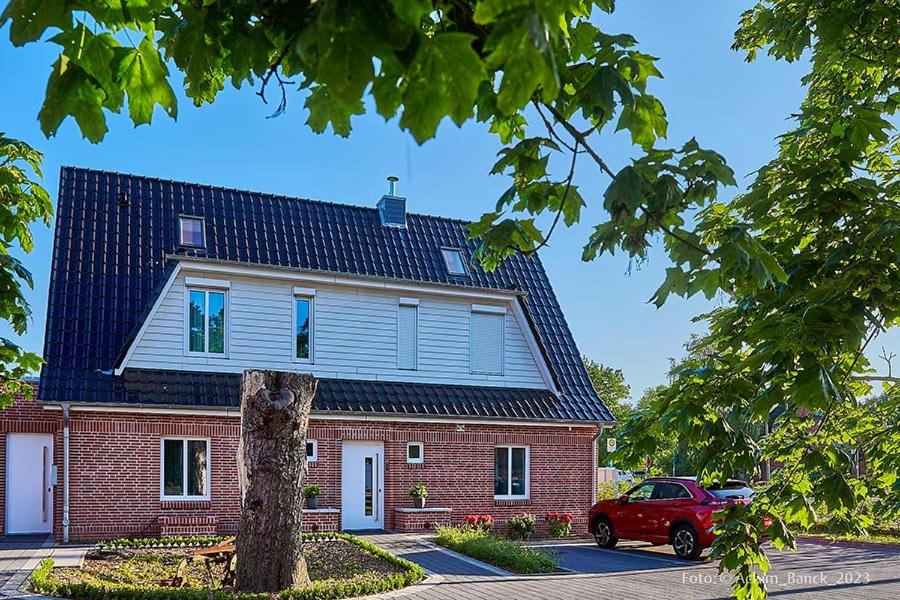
732	490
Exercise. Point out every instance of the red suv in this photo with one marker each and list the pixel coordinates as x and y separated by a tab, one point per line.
665	510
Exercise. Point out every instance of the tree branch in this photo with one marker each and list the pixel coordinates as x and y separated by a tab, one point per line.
581	138
876	378
562	202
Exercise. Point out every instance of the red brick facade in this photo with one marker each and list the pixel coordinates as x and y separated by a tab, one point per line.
115	470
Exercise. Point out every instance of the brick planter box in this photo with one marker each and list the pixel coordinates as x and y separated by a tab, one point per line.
321	519
188	525
420	519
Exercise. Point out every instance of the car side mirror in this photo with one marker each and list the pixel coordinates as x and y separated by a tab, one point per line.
623	499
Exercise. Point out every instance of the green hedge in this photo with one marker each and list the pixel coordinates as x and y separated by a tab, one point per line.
495	550
42	581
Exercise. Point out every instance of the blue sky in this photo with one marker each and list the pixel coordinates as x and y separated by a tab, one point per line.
709	92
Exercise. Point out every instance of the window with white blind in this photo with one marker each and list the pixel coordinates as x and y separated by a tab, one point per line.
487	341
407	334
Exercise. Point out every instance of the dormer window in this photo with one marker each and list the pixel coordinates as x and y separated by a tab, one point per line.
192	232
453	261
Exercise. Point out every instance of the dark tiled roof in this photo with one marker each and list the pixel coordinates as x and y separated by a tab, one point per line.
110	257
150	387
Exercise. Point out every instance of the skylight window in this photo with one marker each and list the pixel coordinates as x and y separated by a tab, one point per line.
453	260
192	231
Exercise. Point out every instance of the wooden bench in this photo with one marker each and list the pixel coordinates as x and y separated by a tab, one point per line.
224	553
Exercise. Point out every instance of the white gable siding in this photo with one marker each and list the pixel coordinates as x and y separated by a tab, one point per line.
354	336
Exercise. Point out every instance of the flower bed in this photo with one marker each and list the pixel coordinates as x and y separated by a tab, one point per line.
481	544
340	566
559	525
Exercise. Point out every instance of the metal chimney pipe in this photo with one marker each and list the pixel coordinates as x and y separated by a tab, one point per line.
392	185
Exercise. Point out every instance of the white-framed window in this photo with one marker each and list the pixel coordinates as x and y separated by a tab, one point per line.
487	340
511	472
207	321
191	231
415	453
453	261
184	469
408	334
303	326
312	450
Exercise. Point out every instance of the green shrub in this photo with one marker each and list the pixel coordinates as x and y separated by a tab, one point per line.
311	491
192	541
495	550
607	490
521	527
418	491
333	589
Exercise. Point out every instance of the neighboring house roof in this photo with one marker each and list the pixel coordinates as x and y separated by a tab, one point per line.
114	233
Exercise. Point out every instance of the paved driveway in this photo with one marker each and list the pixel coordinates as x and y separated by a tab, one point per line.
814	572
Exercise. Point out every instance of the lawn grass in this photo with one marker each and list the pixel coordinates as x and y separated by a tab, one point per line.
874	536
495	550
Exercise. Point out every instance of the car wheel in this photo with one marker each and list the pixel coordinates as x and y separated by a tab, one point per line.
686	543
603	533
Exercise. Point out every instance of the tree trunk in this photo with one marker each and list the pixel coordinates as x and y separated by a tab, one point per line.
271	469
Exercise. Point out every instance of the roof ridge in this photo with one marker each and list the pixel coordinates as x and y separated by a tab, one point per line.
257	193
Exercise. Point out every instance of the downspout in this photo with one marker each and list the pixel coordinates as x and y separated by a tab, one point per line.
594	462
65	519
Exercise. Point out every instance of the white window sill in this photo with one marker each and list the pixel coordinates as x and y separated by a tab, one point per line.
184	498
511	498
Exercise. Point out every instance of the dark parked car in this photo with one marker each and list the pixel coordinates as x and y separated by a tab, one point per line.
665	510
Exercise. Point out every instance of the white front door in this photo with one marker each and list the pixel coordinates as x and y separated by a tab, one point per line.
362	492
29	492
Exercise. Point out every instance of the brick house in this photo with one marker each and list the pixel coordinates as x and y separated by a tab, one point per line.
430	369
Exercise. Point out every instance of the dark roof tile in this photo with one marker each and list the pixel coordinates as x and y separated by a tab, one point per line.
109	262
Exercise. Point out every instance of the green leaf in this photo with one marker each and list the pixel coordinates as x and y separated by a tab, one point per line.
144	77
487	11
645	119
325	108
31	18
443	81
95	54
71	91
412	11
625	190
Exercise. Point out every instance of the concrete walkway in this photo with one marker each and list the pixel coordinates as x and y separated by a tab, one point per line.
20	555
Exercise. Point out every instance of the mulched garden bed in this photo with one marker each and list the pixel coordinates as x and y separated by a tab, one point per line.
326	559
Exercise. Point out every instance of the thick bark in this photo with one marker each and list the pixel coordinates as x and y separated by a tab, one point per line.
271	469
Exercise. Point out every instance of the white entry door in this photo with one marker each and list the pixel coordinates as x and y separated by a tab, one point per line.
362	492
29	491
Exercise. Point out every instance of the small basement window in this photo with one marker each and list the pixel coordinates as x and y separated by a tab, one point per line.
192	232
453	260
312	450
415	453
185	469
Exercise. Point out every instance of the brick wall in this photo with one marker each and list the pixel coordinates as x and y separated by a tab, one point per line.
115	473
459	467
422	520
115	468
